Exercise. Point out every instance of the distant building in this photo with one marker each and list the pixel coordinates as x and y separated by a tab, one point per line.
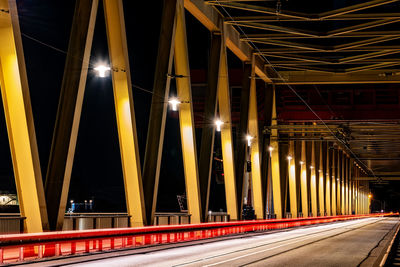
8	199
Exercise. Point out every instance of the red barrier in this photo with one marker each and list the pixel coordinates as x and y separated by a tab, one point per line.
26	247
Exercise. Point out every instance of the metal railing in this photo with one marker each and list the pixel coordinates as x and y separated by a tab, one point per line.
86	221
168	218
11	223
26	247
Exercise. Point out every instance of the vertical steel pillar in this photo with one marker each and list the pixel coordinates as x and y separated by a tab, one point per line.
19	120
313	182
275	169
255	154
328	187
241	143
292	180
66	127
226	134
334	182
303	180
158	110
321	181
343	201
339	181
208	131
186	117
124	109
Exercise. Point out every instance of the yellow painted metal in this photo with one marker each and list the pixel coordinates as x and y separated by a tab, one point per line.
292	180
275	171
17	112
303	180
126	123
343	201
338	183
334	182
313	182
327	184
321	183
186	118
255	155
226	134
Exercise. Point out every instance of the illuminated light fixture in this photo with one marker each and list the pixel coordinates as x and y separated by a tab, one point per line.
301	162
218	123
174	103
289	158
319	170
311	167
270	148
369	195
101	70
249	138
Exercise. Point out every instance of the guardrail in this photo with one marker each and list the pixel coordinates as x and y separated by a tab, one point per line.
11	223
26	247
85	221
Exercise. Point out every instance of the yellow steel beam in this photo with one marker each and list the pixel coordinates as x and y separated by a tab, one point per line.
275	170
328	183
333	185
226	134
126	123
321	182
338	183
303	180
186	118
255	155
292	180
19	120
313	182
343	201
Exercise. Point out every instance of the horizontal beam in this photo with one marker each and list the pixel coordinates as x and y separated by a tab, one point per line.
278	36
304	77
274	18
368	178
212	20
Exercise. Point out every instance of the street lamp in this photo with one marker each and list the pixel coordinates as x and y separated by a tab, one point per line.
101	70
174	103
218	123
249	138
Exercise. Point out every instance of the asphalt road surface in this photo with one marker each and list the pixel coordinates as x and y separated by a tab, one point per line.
349	243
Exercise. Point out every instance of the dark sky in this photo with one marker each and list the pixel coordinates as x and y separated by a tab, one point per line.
97	170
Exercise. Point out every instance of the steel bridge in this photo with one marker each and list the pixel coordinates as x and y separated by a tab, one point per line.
298	162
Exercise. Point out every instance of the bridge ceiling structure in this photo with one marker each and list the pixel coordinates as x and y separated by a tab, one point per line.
323	43
314	42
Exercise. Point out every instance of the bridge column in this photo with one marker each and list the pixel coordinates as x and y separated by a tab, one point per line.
241	143
275	168
313	181
66	126
303	180
186	117
339	182
19	120
334	182
328	182
292	179
124	109
343	195
158	110
321	180
255	155
226	134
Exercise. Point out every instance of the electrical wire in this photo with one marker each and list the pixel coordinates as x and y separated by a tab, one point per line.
293	90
